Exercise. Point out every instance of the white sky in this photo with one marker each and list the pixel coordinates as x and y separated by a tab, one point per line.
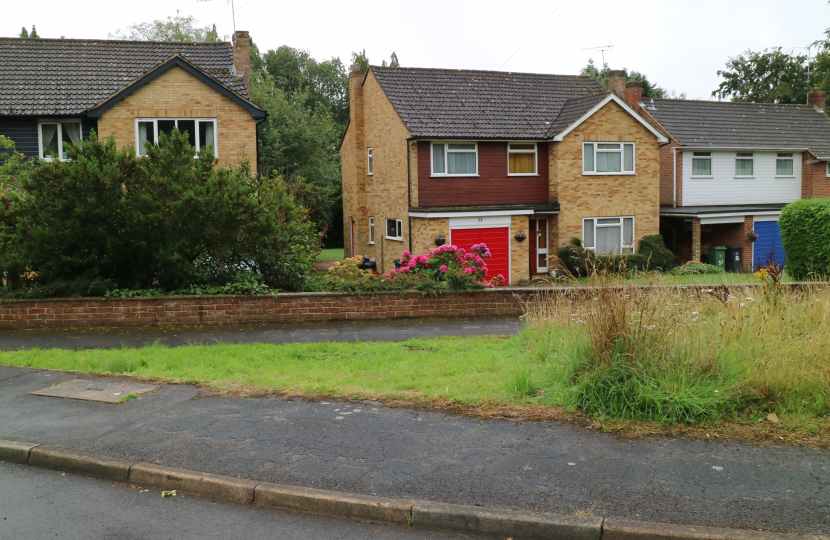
679	45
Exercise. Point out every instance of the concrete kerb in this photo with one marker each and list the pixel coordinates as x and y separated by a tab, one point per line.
424	515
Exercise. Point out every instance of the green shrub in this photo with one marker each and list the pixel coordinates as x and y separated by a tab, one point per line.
805	234
106	215
654	249
695	268
581	262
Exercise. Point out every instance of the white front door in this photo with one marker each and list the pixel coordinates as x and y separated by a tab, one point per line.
541	260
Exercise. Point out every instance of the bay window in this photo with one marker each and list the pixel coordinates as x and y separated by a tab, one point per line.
201	132
454	159
607	158
521	159
608	235
52	135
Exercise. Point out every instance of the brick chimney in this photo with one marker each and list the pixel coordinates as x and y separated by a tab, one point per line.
242	57
634	93
817	99
615	80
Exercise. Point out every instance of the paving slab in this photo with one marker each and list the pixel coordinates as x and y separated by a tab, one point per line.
105	390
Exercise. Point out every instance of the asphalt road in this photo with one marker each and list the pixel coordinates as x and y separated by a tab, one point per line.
40	503
387	330
407	453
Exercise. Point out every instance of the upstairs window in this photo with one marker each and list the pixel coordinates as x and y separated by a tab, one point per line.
784	164
369	161
744	164
394	229
521	159
201	133
454	159
702	164
608	158
606	236
52	135
371	230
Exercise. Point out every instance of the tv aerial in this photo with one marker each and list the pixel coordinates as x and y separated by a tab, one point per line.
233	12
601	49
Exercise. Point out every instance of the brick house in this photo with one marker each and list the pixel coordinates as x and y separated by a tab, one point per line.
731	167
56	90
522	162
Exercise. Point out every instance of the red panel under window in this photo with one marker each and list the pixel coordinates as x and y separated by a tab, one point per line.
498	242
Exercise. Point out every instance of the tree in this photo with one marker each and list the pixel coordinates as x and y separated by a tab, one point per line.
25	33
175	28
770	76
650	90
393	62
33	33
360	61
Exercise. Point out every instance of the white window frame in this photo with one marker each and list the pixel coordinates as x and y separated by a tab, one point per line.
738	157
535	153
621	151
702	156
827	169
371	230
155	122
60	136
398	227
369	164
625	249
446	161
785	156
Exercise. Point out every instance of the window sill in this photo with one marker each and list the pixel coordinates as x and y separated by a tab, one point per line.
398	239
371	243
609	173
792	176
704	177
522	174
370	174
454	176
744	177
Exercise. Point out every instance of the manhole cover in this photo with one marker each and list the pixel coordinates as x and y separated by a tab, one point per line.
102	390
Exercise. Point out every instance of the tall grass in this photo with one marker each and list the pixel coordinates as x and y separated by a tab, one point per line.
666	353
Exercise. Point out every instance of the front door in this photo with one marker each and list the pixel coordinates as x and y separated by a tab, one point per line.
539	227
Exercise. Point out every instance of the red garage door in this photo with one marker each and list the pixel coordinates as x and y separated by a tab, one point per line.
498	242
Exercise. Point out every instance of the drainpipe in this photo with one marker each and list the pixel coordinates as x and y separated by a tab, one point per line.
351	228
409	188
674	176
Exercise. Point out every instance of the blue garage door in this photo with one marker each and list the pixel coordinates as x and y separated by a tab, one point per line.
769	239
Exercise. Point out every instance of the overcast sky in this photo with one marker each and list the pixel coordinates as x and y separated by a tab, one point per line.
679	45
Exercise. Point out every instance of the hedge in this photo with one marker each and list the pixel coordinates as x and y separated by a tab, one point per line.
805	234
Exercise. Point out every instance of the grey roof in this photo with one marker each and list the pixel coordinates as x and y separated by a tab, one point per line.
725	124
69	76
726	209
479	104
573	110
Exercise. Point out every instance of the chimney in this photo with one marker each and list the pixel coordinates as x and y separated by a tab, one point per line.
634	93
817	99
242	57
615	80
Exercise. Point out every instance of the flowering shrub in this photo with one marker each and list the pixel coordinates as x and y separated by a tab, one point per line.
447	268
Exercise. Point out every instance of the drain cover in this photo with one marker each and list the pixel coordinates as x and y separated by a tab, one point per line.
108	391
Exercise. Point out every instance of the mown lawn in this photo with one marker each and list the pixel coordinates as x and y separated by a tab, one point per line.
330	255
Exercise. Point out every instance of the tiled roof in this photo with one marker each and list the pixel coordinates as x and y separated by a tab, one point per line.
69	76
479	104
727	124
573	110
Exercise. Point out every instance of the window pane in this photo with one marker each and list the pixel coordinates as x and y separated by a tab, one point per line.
608	240
628	154
189	127
522	146
609	162
166	127
438	159
785	154
391	228
608	147
461	163
608	221
784	167
628	231
522	163
542	238
71	132
145	134
707	154
471	146
206	136
400	227
588	157
701	167
49	132
745	154
743	167
371	229
588	233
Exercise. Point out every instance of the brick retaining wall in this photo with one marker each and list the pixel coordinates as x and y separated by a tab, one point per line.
282	308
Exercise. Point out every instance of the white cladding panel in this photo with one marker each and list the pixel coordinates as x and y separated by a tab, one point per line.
724	189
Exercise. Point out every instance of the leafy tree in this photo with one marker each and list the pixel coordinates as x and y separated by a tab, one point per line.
650	90
33	33
25	33
175	28
360	61
393	62
769	76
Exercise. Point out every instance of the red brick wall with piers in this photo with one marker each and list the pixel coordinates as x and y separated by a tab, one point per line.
730	234
814	181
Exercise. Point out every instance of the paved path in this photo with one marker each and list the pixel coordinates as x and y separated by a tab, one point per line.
39	503
390	330
368	448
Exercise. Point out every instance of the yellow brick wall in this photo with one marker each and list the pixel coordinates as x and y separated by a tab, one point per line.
519	251
425	231
582	196
178	94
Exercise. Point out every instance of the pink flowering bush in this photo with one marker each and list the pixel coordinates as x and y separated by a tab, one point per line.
446	268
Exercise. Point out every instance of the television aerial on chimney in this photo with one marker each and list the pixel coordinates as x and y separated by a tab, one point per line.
233	12
601	49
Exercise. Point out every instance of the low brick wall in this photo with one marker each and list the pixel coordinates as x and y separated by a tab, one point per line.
282	308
